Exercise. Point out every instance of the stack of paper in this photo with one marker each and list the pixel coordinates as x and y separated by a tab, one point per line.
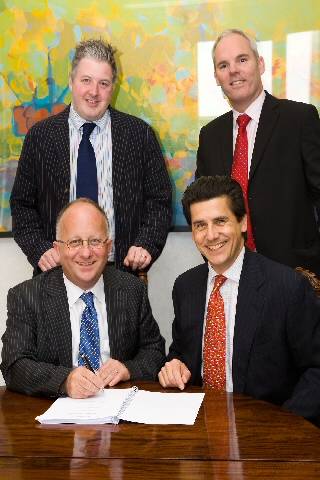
131	404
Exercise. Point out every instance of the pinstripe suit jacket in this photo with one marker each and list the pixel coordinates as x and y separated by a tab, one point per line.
141	186
37	343
276	344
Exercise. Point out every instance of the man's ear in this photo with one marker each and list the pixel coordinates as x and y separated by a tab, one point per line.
215	76
262	65
108	246
244	224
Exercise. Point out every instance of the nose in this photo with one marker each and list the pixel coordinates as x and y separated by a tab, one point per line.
94	88
212	232
85	250
233	67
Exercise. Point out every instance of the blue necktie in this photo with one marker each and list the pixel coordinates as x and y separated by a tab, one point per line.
87	183
89	333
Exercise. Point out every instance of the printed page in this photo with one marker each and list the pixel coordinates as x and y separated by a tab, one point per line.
163	408
99	409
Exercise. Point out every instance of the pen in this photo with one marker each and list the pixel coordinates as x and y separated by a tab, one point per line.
87	363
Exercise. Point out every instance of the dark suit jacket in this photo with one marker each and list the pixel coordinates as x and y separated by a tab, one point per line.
284	180
276	346
141	186
37	343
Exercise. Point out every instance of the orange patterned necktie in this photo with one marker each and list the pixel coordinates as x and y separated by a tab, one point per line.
214	350
240	169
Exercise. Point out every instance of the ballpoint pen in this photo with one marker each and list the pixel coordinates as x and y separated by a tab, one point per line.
87	363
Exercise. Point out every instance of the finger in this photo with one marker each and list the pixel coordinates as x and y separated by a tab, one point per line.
56	256
177	379
47	262
116	379
88	380
145	261
44	264
136	259
91	385
186	374
42	267
170	374
110	376
51	261
130	258
165	376
161	379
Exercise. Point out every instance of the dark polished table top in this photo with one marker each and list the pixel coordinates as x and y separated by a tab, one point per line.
234	437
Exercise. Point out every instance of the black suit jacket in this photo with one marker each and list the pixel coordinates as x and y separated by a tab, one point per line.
141	186
276	346
37	343
284	179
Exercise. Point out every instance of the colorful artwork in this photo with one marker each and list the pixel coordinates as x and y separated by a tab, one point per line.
158	44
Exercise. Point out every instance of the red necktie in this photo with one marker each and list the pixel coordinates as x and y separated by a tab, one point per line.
240	169
214	350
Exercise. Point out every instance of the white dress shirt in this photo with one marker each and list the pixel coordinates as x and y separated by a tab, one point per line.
102	144
254	111
76	308
229	293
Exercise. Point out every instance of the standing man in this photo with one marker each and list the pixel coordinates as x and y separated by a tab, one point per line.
272	147
80	308
243	323
91	150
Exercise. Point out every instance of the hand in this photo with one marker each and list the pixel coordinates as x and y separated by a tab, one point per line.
137	257
113	372
81	383
174	374
49	259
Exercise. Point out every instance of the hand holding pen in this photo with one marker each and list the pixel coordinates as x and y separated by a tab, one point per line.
80	382
87	363
112	372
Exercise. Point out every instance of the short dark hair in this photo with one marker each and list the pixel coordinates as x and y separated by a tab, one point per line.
85	201
206	188
98	50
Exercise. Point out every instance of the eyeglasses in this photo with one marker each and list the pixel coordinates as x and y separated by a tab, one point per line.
78	243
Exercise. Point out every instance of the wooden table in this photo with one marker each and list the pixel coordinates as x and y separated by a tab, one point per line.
234	437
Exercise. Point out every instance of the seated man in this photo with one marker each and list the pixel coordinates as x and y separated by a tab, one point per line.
243	323
83	312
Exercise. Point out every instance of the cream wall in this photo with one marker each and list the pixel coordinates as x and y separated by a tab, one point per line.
178	255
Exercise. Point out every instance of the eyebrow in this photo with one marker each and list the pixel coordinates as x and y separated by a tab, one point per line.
215	219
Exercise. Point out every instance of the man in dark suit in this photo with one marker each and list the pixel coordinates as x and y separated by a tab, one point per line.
270	335
47	330
133	185
283	155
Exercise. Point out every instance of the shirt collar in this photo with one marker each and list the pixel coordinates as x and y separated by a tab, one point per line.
254	109
233	272
74	292
78	121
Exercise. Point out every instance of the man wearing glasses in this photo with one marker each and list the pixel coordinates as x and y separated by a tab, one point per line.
81	326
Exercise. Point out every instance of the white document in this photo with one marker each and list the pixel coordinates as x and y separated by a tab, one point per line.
129	404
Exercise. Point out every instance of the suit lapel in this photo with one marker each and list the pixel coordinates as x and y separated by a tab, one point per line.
249	306
226	135
62	143
116	305
267	123
119	147
57	313
196	308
